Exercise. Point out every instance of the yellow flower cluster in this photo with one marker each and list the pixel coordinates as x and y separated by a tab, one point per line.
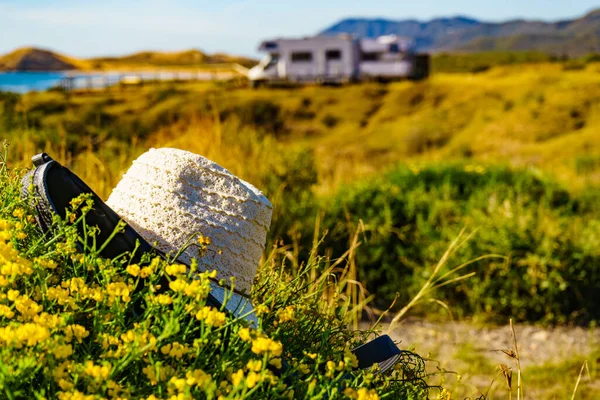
262	345
361	394
175	269
158	373
162	299
287	314
197	288
196	378
203	241
75	331
97	371
11	264
72	291
74	315
175	350
261	309
118	290
143	272
27	334
211	316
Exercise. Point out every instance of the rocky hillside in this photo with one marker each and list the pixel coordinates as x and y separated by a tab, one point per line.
30	59
572	37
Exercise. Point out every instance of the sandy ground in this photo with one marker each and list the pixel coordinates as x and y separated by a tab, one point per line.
474	352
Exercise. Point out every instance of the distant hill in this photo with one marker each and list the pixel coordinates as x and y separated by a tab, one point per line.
571	37
164	59
32	59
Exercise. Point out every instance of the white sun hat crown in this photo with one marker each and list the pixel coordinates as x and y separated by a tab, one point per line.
168	195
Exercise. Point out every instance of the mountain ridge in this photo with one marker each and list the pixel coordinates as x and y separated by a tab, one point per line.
573	37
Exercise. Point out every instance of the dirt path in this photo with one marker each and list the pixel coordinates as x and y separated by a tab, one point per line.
552	357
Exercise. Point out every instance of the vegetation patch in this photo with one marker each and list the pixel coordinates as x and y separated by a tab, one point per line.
75	325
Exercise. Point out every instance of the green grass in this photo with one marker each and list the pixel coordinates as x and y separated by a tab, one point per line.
557	381
320	152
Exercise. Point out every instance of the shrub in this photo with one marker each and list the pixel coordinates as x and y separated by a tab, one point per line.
329	120
410	216
262	114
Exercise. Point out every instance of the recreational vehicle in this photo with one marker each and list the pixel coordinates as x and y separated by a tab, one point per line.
339	59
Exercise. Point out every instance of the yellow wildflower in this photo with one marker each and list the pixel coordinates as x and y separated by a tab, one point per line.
211	317
65	385
367	394
146	272
27	334
178	383
254	365
199	378
252	379
18	213
244	334
262	345
199	289
118	289
203	241
5	311
237	377
62	370
286	314
77	331
175	269
62	351
350	358
163	299
100	372
133	269
276	362
261	309
175	350
178	285
27	307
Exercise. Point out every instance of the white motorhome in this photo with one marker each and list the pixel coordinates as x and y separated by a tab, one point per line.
338	59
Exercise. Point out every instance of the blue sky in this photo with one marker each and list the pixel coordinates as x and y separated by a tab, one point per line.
111	27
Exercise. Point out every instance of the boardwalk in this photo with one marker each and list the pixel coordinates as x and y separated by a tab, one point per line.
105	80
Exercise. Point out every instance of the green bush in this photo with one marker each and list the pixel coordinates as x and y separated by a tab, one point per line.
261	114
329	120
549	238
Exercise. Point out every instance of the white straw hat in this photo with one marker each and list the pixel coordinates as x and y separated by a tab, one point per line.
169	194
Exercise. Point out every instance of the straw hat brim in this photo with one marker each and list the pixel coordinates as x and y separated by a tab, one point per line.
238	305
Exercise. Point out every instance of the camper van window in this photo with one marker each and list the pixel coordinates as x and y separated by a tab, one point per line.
270	45
304	56
272	61
370	56
332	55
394	48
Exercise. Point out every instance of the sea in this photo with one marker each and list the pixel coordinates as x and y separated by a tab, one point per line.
22	82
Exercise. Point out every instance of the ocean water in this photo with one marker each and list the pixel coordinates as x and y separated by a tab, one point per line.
22	82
